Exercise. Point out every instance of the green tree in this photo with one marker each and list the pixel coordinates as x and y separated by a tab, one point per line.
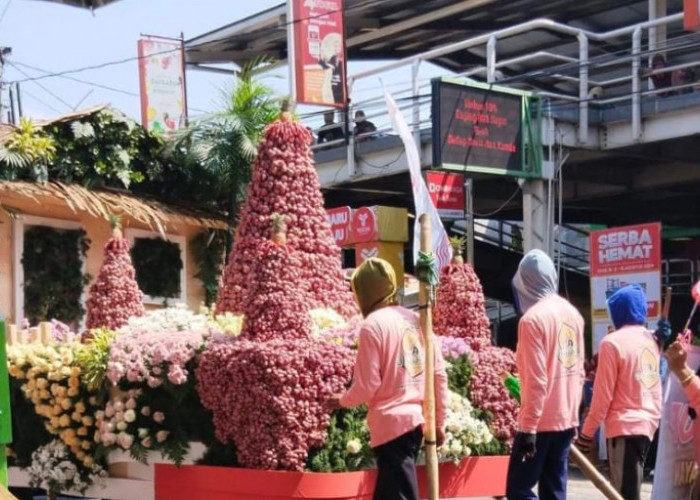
26	153
223	145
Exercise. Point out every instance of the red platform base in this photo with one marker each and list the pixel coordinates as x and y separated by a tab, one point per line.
473	477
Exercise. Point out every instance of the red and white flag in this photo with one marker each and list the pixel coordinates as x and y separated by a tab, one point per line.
440	242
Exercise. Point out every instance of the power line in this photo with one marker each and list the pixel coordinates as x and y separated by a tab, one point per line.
41	86
4	11
25	91
137	58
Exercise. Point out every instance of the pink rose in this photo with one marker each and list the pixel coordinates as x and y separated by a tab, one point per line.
125	440
158	417
162	436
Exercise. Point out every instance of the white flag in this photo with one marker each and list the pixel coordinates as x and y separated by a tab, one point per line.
440	243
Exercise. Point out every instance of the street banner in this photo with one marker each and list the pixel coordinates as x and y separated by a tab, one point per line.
318	38
440	242
447	192
162	83
675	471
622	256
340	220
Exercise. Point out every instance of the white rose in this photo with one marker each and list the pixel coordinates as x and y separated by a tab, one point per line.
354	446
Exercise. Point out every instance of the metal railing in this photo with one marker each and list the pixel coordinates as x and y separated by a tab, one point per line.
620	70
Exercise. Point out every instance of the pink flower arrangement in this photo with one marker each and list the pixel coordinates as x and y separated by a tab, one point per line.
453	347
155	357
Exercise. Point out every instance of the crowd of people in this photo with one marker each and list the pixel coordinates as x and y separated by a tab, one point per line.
332	131
626	396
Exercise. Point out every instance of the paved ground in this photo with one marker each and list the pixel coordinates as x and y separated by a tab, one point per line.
581	489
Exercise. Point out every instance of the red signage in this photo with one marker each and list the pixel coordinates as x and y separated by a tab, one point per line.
319	52
691	15
364	225
447	192
625	250
340	220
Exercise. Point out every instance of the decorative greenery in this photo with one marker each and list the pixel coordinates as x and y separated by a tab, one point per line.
208	248
27	152
459	375
158	264
92	358
347	446
223	145
53	277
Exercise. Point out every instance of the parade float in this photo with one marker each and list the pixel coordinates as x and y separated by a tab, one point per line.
230	402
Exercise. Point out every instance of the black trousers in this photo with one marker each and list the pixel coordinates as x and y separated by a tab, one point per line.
396	467
626	456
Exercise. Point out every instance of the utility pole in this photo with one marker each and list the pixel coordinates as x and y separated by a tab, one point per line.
4	51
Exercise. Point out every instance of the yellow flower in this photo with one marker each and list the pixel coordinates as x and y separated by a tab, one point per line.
85	445
44	394
57	410
73	441
80	407
82	431
54	422
88	462
14	371
76	416
73	381
64	421
74	372
80	455
87	421
65	371
67	357
62	391
66	404
72	392
31	385
42	383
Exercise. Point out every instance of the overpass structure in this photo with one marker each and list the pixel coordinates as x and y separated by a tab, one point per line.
617	149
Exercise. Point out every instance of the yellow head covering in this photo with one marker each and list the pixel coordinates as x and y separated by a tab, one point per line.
374	284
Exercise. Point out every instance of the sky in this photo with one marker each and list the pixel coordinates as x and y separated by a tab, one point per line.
55	37
50	37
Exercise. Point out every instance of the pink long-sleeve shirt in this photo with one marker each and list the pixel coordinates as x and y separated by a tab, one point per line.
627	388
550	358
390	375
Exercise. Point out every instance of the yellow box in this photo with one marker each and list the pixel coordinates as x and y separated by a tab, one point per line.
392	252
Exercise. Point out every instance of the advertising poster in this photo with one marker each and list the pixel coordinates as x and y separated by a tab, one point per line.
447	192
162	82
340	220
622	256
675	472
319	52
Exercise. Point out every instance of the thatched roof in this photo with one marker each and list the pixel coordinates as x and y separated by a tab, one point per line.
102	203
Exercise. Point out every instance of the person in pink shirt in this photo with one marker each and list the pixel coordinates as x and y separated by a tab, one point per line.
389	377
627	391
549	358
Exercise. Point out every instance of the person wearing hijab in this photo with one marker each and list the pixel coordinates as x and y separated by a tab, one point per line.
627	391
549	358
389	377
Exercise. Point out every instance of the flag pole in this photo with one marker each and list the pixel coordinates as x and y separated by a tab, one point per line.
425	301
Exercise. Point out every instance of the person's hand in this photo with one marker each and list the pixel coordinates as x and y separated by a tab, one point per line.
663	331
333	402
439	436
584	443
677	358
524	445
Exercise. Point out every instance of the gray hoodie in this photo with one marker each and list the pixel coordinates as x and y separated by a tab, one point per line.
536	278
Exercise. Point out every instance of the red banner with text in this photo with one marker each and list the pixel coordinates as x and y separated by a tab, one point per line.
319	52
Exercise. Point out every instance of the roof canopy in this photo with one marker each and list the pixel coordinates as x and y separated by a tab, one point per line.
85	4
392	29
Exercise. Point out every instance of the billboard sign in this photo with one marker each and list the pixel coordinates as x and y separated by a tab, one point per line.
447	192
162	84
318	39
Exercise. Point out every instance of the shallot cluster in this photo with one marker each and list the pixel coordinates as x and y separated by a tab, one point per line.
460	310
114	296
276	303
285	181
268	397
488	393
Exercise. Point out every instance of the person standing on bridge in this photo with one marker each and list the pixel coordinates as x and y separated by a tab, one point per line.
549	358
627	391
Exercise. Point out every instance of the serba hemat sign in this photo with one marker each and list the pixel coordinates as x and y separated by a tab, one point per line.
478	129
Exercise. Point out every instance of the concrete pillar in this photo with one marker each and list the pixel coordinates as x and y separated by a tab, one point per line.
538	216
657	35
